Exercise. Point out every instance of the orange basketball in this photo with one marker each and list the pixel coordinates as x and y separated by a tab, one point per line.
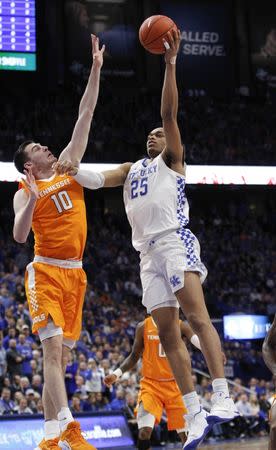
153	30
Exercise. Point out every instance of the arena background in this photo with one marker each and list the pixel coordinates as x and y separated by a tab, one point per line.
227	113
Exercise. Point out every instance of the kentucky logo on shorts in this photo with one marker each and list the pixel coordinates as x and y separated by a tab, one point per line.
175	281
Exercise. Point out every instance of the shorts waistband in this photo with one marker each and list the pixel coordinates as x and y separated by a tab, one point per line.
64	263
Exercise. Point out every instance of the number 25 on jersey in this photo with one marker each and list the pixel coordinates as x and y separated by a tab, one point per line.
139	187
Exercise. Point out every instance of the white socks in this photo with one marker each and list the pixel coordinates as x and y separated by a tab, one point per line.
220	385
64	417
51	429
191	401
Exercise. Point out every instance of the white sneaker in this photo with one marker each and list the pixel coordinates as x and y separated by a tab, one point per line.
223	409
198	428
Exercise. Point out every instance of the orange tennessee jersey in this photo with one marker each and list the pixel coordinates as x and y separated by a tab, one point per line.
155	364
59	220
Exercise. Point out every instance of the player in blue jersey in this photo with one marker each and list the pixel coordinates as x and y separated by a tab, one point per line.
171	269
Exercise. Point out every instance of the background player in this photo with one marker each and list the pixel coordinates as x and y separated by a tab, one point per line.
171	269
54	207
158	388
269	355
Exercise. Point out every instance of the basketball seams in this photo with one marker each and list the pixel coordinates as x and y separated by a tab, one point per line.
161	35
144	38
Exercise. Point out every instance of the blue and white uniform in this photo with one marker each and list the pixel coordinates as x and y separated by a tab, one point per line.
158	212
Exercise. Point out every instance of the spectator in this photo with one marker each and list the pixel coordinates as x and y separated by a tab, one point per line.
243	406
94	377
14	359
23	407
119	402
3	361
6	404
76	406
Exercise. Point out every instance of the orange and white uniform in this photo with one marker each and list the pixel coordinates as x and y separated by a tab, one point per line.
55	280
158	388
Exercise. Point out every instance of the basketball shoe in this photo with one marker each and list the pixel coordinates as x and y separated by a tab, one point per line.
72	439
198	428
223	409
51	444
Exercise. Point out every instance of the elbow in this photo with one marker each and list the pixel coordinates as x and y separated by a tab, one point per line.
19	238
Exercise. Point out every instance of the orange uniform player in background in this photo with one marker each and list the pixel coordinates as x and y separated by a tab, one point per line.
158	388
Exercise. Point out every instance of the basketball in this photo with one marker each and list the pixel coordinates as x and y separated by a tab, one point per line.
153	30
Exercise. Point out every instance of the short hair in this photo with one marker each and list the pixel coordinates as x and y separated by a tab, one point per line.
20	156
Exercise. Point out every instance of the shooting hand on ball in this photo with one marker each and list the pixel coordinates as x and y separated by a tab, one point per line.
171	43
96	52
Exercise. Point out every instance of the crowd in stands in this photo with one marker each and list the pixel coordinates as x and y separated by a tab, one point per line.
240	131
238	247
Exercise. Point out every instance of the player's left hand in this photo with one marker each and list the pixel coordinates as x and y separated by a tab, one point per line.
171	43
110	379
96	52
65	167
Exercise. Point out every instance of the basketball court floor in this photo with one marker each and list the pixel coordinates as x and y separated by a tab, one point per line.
251	444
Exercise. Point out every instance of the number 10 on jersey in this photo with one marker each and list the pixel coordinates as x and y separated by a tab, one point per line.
62	201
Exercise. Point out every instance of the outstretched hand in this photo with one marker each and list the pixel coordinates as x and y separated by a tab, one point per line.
171	43
96	52
30	184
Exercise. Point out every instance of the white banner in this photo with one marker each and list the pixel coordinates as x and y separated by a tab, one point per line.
237	175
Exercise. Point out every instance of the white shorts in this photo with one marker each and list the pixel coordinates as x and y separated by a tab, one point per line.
163	266
52	330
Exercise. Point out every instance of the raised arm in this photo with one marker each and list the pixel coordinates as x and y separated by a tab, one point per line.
24	206
173	153
76	147
132	359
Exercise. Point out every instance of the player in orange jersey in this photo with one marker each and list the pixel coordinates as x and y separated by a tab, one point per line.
269	355
53	205
158	388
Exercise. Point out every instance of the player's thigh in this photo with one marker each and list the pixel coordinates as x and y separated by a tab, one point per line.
74	292
191	298
167	321
44	294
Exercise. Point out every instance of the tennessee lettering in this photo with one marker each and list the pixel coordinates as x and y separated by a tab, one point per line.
54	187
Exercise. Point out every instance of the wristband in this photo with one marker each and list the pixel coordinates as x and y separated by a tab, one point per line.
89	179
118	373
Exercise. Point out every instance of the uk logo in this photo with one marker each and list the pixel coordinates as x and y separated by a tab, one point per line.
175	281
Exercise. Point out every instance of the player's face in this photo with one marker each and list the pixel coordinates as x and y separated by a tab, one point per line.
156	142
40	156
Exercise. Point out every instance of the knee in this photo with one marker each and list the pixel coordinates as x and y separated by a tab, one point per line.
198	323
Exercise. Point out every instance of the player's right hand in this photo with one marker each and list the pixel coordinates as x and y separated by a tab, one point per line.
171	43
110	379
30	184
97	53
